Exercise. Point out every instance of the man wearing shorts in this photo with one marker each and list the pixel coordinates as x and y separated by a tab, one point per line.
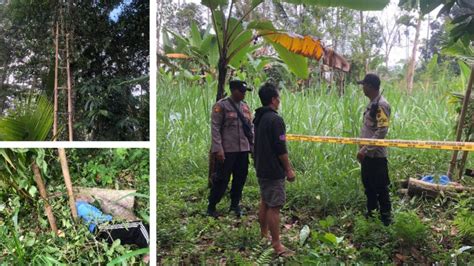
272	165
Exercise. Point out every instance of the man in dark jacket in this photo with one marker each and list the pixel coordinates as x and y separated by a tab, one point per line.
272	164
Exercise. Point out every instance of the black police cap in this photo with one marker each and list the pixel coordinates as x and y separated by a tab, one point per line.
239	85
372	80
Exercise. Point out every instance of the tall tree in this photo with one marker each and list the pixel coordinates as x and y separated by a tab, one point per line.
462	31
412	61
389	29
362	35
110	48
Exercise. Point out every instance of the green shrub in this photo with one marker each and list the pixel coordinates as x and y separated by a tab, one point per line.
373	239
408	229
464	221
374	255
370	233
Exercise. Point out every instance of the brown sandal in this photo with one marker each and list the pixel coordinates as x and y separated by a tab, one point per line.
286	253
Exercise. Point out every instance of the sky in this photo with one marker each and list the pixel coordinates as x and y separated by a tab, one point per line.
115	14
398	53
387	16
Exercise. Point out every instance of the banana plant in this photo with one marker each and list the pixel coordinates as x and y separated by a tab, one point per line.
199	49
234	38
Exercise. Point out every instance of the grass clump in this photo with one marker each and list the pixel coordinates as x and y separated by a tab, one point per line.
369	232
408	229
373	239
464	221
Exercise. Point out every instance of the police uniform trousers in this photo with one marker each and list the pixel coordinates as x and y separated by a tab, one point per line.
375	178
235	163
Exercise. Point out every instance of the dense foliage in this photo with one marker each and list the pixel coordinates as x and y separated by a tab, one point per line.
110	59
25	236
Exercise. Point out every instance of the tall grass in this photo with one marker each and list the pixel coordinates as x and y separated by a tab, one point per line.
327	174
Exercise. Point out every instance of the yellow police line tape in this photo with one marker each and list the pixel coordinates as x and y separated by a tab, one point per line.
433	145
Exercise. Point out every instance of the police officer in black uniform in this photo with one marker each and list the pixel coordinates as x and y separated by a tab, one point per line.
232	138
373	159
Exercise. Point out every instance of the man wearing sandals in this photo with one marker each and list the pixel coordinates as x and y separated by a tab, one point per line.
272	165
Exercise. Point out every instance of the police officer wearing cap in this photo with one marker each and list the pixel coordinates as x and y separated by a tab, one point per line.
373	159
232	141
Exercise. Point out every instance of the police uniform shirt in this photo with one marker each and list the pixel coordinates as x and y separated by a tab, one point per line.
226	128
376	128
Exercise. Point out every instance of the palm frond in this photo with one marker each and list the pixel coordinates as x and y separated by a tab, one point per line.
31	121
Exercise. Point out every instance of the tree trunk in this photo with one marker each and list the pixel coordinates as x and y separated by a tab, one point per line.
158	30
412	62
70	111
418	187
3	77
336	37
56	64
364	49
462	165
42	189
462	116
67	182
389	40
221	80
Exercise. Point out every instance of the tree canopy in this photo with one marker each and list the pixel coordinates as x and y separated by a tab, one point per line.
110	61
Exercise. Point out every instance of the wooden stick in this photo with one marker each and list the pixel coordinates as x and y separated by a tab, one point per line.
462	165
56	70
69	90
462	116
42	189
67	181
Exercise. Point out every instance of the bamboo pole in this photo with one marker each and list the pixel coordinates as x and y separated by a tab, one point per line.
42	189
56	70
69	90
67	182
462	116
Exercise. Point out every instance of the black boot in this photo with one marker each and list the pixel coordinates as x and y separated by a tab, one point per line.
386	218
211	211
236	210
369	215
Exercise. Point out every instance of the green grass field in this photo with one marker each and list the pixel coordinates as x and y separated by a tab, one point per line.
327	195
